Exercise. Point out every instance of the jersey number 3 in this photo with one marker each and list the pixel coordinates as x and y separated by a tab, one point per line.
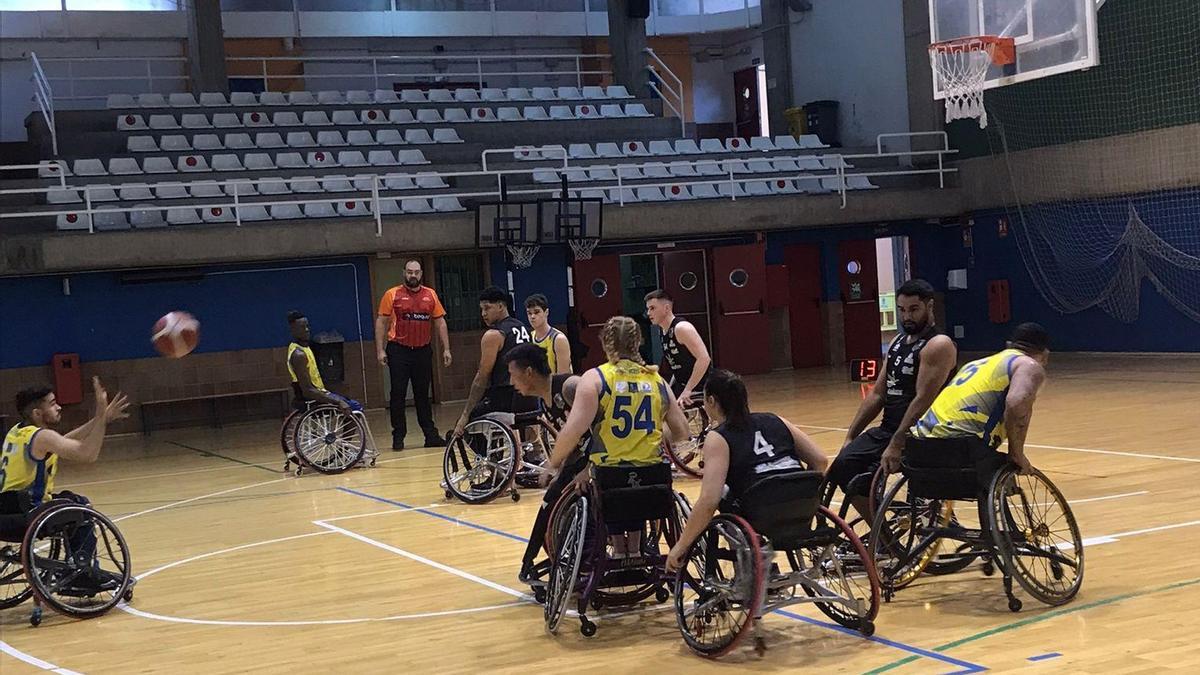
761	446
627	421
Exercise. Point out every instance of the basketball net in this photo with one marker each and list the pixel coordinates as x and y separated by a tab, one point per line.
522	255
961	66
582	248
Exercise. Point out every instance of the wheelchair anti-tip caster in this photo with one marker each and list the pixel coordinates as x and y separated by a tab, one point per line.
662	595
760	646
866	627
35	617
539	595
988	569
516	496
1014	605
449	494
586	628
128	596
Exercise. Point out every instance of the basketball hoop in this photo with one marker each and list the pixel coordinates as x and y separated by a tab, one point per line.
583	247
962	65
522	254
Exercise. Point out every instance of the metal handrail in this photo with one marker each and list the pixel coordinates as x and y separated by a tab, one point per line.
44	96
839	172
677	91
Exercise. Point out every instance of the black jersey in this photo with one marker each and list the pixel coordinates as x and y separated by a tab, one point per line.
764	447
680	360
903	364
559	407
515	332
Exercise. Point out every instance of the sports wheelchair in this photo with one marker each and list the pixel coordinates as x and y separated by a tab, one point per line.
322	437
44	555
688	456
581	563
1026	527
490	458
728	580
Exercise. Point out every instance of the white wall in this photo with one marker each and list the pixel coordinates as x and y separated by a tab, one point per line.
712	78
852	51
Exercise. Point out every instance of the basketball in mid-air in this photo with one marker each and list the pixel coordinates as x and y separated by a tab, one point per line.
176	334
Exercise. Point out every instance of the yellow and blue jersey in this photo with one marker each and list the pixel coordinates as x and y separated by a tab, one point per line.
547	345
314	375
20	471
973	403
628	426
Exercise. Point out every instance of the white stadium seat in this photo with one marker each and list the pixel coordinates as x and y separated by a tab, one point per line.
315	118
217	214
336	183
258	161
182	100
710	168
330	139
440	96
244	98
358	97
381	158
389	137
60	196
782	186
430	181
227	163
274	187
561	112
544	94
637	110
386	96
518	94
786	143
811	141
204	142
148	217
151	100
231	121
273	98
170	190
535	112
545	176
239	142
711	146
306	185
289	160
250	213
599	173
662	149
300	139
415	205
569	93
213	99
120	101
389	207
492	94
89	167
622	196
353	207
731	190
206	190
629	172
760	166
757	188
400	182
683	169
319	210
413	96
483	114
269	139
163	122
854	182
580	151
285	118
182	216
594	93
171	143
321	159
158	165
101	193
686	146
429	116
260	119
124	166
373	117
608	150
351	158
196	120
737	145
634	149
417	137
587	111
656	171
361	137
447	204
762	143
677	192
242	188
611	110
286	212
192	164
344	117
301	98
618	91
785	165
466	95
650	194
509	114
446	136
455	115
141	144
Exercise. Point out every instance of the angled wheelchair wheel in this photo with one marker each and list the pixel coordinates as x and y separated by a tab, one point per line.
76	561
1036	535
904	537
287	432
840	567
718	590
329	440
14	588
482	463
688	456
571	527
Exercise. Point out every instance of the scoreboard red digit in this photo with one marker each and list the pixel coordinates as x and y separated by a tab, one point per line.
864	370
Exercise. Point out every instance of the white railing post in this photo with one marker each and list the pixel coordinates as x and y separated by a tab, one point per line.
375	205
237	207
732	185
620	188
579	72
375	70
87	203
44	97
266	80
479	71
149	76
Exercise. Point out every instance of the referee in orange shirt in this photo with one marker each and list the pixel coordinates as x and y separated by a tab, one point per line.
403	330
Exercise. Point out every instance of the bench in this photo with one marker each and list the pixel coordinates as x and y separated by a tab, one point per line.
214	413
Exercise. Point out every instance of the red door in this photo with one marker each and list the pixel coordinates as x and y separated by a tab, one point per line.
804	305
739	283
745	85
686	279
859	283
597	285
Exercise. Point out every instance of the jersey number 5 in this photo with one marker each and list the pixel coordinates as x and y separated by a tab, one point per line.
627	421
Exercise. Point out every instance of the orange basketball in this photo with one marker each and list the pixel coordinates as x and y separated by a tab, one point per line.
176	334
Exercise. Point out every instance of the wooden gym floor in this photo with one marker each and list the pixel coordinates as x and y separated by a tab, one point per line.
245	568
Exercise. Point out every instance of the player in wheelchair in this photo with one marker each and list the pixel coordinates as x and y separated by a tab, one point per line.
54	547
1026	528
325	431
607	531
485	452
765	475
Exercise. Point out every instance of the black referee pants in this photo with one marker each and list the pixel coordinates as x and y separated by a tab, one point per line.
411	364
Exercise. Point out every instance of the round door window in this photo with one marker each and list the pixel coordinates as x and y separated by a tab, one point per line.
739	277
688	281
853	267
599	288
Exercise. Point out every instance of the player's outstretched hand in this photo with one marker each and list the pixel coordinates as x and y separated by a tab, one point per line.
117	409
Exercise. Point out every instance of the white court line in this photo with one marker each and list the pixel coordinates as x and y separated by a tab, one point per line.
210	554
317	622
33	660
432	563
1105	498
159	475
1141	455
1112	538
195	499
380	513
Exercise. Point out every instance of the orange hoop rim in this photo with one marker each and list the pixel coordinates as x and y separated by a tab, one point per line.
1003	50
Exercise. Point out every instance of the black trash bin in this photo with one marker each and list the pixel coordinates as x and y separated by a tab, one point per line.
329	348
823	121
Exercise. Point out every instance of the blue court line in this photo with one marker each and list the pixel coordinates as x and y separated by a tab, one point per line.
1043	657
435	514
965	666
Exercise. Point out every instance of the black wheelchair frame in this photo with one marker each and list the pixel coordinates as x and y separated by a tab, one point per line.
323	438
490	458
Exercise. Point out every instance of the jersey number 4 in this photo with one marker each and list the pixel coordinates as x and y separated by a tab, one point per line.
627	420
761	446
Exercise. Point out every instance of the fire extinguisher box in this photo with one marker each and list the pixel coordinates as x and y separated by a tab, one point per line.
68	380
